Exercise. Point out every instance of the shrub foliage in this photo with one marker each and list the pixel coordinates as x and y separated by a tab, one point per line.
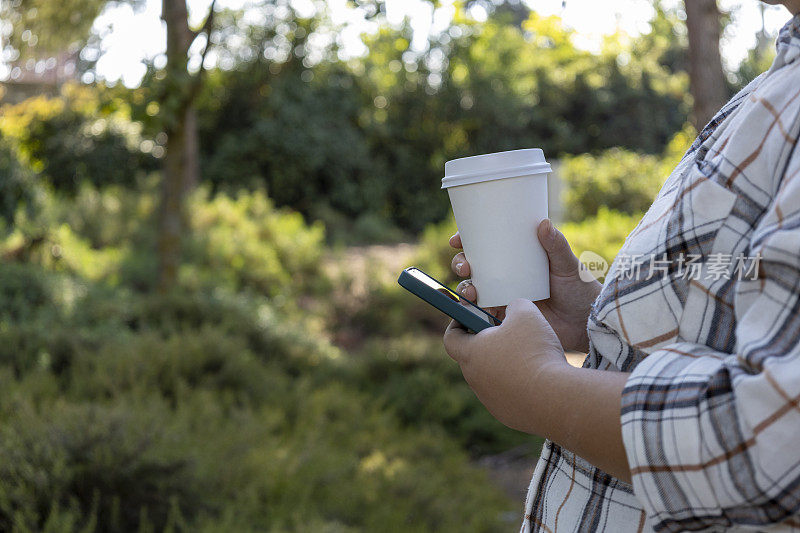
222	405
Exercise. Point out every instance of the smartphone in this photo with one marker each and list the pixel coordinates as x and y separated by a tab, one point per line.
466	313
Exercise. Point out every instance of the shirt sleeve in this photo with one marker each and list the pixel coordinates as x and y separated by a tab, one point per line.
712	438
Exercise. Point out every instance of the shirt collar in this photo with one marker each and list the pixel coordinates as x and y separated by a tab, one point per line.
788	43
790	33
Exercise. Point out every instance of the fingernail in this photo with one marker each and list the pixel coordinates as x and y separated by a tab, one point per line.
463	286
459	268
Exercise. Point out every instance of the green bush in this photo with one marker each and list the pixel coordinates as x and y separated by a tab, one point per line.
110	216
34	328
78	137
435	253
618	179
23	291
333	474
353	142
300	140
603	234
412	375
366	136
48	321
212	411
243	242
92	467
17	183
58	247
237	243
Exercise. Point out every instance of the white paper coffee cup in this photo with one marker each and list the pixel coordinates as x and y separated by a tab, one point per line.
498	201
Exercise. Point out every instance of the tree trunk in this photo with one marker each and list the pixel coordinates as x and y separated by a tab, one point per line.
181	165
706	76
179	177
191	172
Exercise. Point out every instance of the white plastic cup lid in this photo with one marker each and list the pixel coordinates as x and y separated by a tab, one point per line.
500	165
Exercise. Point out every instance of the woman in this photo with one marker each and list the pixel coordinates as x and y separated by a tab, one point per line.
686	413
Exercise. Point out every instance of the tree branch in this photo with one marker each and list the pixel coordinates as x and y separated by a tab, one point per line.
207	25
207	28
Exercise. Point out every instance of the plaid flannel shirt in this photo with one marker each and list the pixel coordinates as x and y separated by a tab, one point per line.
702	306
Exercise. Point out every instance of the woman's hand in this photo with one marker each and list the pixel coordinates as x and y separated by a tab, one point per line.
518	371
567	309
505	364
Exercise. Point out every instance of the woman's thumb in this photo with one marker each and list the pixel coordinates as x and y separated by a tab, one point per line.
562	260
520	309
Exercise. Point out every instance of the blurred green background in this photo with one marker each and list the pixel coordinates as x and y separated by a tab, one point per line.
200	327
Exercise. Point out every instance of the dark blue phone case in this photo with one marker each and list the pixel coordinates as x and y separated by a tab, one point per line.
447	301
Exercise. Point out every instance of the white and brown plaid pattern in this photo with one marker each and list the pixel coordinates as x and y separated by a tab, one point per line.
711	412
